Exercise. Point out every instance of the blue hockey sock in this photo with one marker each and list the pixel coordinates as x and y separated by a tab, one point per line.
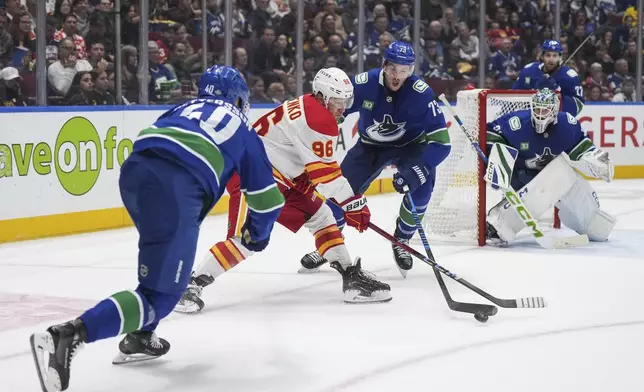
120	313
405	224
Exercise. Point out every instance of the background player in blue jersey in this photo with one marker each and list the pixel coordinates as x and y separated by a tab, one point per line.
550	73
176	173
401	124
550	144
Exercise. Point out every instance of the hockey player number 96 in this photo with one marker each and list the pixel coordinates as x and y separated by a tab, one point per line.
271	118
323	150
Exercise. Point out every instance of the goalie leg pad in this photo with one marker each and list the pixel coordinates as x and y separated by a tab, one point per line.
579	210
539	196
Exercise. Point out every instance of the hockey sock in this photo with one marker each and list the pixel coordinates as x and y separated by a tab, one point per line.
405	224
121	313
330	245
223	256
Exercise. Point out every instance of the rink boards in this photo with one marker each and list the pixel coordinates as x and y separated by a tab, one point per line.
59	166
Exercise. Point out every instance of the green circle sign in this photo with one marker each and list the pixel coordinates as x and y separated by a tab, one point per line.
78	156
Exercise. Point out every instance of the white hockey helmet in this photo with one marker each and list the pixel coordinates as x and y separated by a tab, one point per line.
334	85
544	107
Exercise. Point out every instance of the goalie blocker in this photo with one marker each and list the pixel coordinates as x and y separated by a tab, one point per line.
559	185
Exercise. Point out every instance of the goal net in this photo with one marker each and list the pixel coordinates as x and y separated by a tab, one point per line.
460	199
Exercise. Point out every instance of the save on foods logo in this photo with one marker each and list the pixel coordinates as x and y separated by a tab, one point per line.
76	157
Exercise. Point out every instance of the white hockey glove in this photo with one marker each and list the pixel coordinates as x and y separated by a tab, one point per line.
596	163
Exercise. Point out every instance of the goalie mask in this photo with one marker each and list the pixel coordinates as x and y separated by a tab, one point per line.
544	107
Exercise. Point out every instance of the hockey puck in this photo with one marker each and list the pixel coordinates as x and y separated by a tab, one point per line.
481	317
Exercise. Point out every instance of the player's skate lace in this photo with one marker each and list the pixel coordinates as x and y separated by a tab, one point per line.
154	341
317	258
399	250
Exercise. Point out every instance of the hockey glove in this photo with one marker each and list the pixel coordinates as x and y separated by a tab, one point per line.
411	178
251	243
356	212
598	164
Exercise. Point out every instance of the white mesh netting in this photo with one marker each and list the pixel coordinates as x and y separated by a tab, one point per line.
453	208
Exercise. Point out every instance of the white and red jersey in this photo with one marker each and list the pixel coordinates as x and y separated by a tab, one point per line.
299	137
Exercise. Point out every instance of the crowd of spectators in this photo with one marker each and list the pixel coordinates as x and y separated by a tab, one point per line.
80	45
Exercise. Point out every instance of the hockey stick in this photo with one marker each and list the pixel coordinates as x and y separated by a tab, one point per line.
516	202
481	311
528	302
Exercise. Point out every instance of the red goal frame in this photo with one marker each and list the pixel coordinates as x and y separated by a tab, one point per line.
482	137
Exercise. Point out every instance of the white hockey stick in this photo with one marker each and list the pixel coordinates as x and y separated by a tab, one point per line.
517	203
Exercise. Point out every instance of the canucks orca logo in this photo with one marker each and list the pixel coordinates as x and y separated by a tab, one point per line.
540	161
387	130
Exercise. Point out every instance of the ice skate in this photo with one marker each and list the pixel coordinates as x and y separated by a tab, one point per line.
191	301
311	263
53	352
359	286
140	346
403	259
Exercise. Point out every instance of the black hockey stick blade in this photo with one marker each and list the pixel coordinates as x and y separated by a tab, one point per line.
529	302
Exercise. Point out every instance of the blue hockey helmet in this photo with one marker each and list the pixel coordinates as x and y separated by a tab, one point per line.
226	82
400	52
399	60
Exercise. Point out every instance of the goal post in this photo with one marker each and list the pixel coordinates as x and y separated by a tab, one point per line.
458	207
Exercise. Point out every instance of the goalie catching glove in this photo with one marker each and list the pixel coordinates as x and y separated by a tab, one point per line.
356	212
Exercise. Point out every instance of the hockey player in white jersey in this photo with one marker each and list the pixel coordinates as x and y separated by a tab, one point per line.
299	140
550	145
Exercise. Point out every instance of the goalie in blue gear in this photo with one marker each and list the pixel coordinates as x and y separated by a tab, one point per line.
401	124
176	173
550	73
550	144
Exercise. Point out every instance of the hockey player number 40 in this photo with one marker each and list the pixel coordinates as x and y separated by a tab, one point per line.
213	124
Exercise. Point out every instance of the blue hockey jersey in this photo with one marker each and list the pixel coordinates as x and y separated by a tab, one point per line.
213	139
395	119
565	80
537	150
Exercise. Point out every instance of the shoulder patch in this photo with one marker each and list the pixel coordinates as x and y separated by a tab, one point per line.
515	123
318	118
362	78
420	86
572	73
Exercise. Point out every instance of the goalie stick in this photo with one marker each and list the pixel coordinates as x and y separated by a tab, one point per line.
528	302
516	202
465	307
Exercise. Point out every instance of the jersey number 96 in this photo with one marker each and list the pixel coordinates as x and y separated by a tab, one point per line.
323	150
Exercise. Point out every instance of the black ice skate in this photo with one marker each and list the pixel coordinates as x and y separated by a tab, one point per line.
492	236
140	346
359	287
191	301
312	262
403	259
59	344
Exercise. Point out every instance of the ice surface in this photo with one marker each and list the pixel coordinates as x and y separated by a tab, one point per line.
266	328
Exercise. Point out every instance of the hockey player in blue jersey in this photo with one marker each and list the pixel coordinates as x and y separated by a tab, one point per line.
550	73
401	124
550	144
176	173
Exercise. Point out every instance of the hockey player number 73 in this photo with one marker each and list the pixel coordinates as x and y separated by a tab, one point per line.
220	125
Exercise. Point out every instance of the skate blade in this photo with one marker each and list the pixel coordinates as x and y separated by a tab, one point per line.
304	270
354	297
403	272
42	345
190	308
122	359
